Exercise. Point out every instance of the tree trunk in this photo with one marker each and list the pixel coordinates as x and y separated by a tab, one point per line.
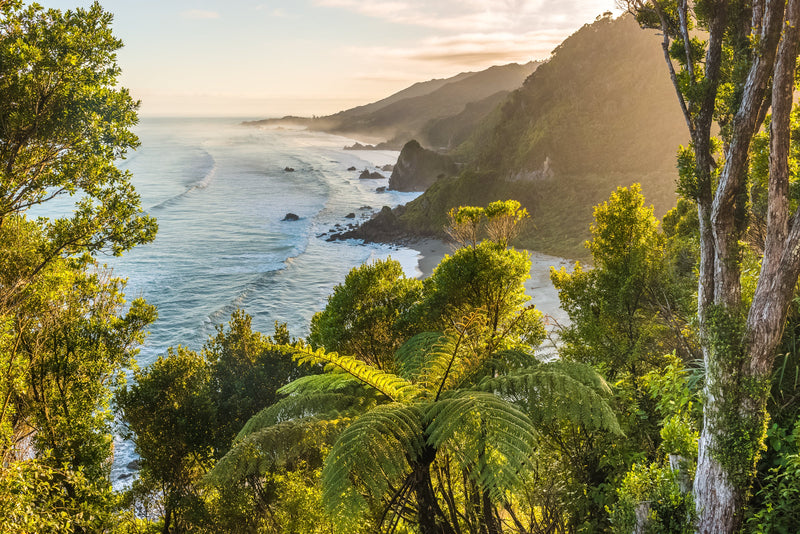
430	516
738	345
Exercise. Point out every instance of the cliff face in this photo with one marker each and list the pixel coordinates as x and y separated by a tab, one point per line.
417	168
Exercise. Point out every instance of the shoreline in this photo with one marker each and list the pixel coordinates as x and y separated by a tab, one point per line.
544	296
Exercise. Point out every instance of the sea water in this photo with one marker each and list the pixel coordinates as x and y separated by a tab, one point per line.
220	192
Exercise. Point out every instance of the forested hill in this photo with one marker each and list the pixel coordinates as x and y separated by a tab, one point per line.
601	113
418	111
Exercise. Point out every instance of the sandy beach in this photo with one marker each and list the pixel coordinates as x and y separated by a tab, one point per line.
538	286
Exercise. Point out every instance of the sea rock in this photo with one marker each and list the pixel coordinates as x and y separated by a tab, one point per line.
291	217
288	169
351	168
366	175
417	168
350	215
365	208
381	189
383	227
388	167
134	465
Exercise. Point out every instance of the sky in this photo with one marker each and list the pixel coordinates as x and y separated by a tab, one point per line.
269	58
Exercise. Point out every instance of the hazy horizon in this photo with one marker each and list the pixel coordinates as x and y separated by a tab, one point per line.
257	58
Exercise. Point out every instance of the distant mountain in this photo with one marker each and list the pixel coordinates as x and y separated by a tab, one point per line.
417	112
601	113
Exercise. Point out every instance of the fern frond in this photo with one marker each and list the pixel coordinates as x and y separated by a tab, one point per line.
372	456
264	450
330	382
489	437
558	391
322	405
388	384
412	355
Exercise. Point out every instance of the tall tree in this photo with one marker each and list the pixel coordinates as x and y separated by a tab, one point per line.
64	339
741	64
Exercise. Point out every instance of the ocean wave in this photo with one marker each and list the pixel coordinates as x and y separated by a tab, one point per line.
200	184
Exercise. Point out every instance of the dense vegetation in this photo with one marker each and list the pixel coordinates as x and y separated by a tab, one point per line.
413	406
600	113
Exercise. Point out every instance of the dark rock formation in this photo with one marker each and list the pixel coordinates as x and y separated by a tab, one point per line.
351	168
366	175
291	217
388	167
350	215
288	169
417	168
383	227
381	189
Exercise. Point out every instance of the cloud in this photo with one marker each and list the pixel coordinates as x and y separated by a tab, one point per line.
199	14
473	49
477	15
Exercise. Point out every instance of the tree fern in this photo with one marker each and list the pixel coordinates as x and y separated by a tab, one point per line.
372	456
490	437
264	450
388	384
558	391
412	355
322	405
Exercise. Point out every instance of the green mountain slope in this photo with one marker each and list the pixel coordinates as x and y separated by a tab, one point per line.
601	113
412	112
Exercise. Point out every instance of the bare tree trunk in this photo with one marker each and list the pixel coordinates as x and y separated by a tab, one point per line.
738	345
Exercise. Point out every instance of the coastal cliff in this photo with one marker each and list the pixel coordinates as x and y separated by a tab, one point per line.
418	168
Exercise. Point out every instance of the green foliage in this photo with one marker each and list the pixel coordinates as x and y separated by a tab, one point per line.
487	278
780	490
63	121
245	375
66	337
363	314
489	437
168	414
650	501
38	497
67	344
625	310
559	391
374	454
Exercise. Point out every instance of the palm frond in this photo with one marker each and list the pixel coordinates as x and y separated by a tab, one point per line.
372	456
388	384
490	437
554	391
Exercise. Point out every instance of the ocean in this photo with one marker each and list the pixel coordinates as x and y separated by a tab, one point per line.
220	191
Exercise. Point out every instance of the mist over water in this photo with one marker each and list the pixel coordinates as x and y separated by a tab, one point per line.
219	191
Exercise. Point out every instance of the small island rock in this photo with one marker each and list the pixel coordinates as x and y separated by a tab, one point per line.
291	217
366	175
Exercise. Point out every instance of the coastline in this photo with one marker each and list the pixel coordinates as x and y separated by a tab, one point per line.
431	251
